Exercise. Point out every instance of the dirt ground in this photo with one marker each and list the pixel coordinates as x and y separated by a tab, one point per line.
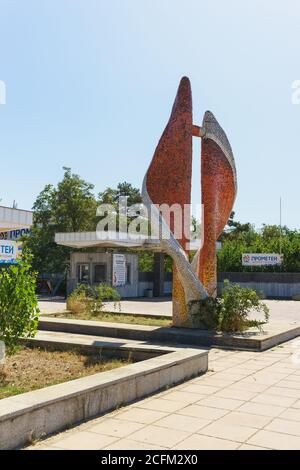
31	369
115	318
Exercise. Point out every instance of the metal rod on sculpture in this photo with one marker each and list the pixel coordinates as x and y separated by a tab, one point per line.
198	131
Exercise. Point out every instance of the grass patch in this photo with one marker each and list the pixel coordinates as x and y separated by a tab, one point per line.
31	369
115	318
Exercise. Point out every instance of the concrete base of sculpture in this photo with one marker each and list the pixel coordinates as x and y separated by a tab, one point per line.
273	333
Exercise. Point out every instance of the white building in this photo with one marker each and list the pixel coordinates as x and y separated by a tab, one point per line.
11	219
13	224
98	265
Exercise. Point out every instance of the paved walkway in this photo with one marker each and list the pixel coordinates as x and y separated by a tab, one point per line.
52	306
287	310
156	306
245	401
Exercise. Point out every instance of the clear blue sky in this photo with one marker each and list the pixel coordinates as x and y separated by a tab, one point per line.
90	84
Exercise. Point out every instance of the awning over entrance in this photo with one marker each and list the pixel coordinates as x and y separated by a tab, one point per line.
124	240
11	219
91	239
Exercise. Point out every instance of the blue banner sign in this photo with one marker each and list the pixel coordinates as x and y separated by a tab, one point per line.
10	251
14	234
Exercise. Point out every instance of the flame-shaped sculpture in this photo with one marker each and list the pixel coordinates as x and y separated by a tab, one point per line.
168	181
218	187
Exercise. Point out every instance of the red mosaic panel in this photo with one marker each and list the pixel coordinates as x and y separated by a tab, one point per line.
218	194
170	173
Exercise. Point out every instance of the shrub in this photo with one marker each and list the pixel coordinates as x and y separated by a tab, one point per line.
230	311
205	313
236	304
18	303
76	302
86	298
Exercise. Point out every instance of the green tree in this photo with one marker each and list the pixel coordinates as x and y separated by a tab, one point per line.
270	239
69	207
235	229
111	196
74	204
18	303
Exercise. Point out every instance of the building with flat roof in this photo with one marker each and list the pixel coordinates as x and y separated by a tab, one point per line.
13	224
116	255
11	219
114	260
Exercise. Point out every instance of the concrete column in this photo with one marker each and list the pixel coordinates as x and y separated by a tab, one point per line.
159	275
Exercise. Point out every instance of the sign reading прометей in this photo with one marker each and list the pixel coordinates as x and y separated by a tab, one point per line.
261	259
14	234
10	251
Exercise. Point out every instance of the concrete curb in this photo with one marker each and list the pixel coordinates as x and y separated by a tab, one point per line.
253	340
36	414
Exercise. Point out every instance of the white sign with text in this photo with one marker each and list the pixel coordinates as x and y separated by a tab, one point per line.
119	270
261	259
10	251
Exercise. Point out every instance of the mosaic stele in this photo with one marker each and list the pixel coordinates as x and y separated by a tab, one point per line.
169	180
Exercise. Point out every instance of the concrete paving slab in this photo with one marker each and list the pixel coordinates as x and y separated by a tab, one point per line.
234	424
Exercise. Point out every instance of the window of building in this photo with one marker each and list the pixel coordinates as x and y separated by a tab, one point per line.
83	273
128	273
99	273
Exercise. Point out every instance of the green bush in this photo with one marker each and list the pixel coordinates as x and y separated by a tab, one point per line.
18	303
235	305
86	298
230	312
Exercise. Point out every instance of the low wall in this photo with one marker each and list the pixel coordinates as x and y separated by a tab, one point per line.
144	281
149	285
34	415
272	285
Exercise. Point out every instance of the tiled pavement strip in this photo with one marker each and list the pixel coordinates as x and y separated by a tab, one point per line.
246	400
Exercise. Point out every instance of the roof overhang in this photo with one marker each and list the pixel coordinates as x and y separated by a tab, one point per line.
113	240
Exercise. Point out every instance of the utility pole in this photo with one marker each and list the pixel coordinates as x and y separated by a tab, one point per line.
280	226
